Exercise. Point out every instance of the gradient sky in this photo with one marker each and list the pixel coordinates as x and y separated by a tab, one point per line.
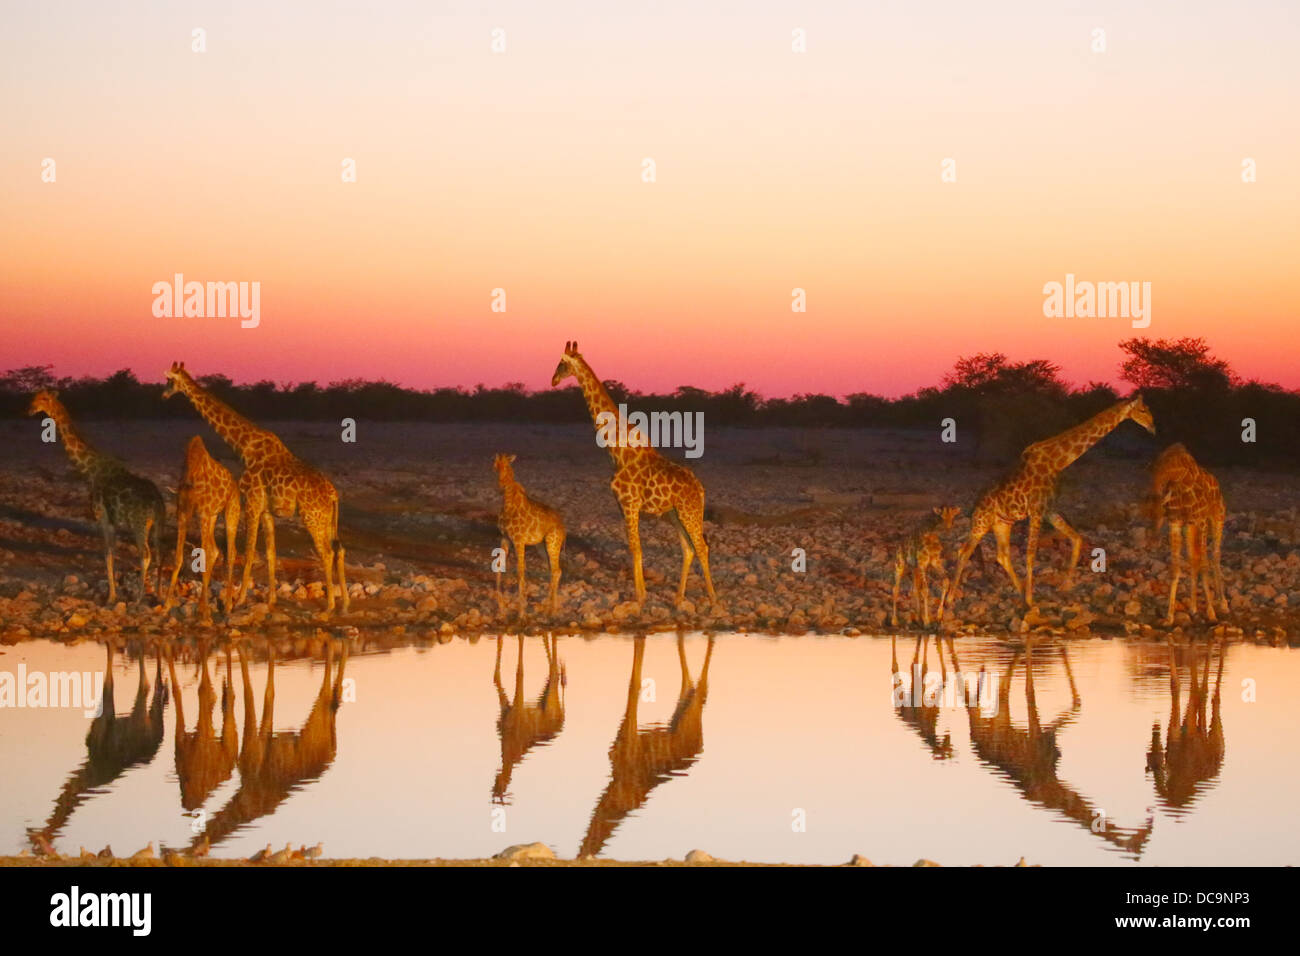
522	170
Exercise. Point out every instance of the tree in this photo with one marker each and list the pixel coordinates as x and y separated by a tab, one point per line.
1184	363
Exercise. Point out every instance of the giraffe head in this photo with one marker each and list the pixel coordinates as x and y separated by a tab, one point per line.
505	474
1154	505
1138	411
568	366
44	402
947	516
175	376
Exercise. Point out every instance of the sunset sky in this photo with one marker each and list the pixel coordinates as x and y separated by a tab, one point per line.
522	170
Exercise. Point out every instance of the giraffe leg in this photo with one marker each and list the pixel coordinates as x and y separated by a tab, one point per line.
692	520
1076	543
554	545
632	516
900	565
921	592
520	561
1176	563
979	528
268	522
110	545
340	556
142	543
1216	533
232	531
505	557
1002	532
182	516
1031	551
322	536
209	544
255	498
688	555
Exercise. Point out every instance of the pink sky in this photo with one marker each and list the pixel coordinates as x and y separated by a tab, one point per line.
522	171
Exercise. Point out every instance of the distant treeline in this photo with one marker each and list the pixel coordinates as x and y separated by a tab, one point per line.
1196	398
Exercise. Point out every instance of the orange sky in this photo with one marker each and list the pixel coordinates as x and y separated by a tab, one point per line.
522	170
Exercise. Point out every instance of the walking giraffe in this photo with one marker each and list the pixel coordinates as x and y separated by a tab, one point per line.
1188	497
208	490
922	550
275	483
117	497
1028	492
524	521
644	480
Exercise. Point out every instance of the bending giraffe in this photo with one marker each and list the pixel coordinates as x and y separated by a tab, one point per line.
208	489
644	481
1028	493
524	521
1188	497
118	498
922	550
275	483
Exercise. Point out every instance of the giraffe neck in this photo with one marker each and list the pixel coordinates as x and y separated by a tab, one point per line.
600	404
84	458
513	492
1063	449
235	430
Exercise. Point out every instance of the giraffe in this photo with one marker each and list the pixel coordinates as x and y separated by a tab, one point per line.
1188	496
524	521
118	498
522	726
275	483
641	759
1028	492
922	550
115	743
923	718
1192	754
204	761
207	488
644	481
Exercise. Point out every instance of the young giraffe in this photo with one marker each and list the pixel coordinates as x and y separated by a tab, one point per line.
524	521
207	488
118	498
274	484
644	481
1188	496
1028	493
922	550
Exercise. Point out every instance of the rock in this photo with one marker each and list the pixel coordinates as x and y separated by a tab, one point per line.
925	862
860	860
526	851
698	856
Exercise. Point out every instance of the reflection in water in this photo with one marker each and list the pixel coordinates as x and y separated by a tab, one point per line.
640	760
204	761
1193	751
272	765
920	717
522	726
112	745
1029	757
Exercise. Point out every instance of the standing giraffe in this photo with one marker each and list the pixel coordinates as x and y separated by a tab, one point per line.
118	498
644	481
207	488
1188	496
922	550
274	484
524	521
1029	491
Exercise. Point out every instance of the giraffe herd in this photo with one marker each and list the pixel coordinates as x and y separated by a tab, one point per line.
275	483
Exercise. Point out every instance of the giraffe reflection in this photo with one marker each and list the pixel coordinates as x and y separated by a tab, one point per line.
1193	752
522	726
204	761
640	760
924	720
113	744
1029	757
272	765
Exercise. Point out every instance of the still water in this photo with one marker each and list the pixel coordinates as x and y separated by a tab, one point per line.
1093	752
